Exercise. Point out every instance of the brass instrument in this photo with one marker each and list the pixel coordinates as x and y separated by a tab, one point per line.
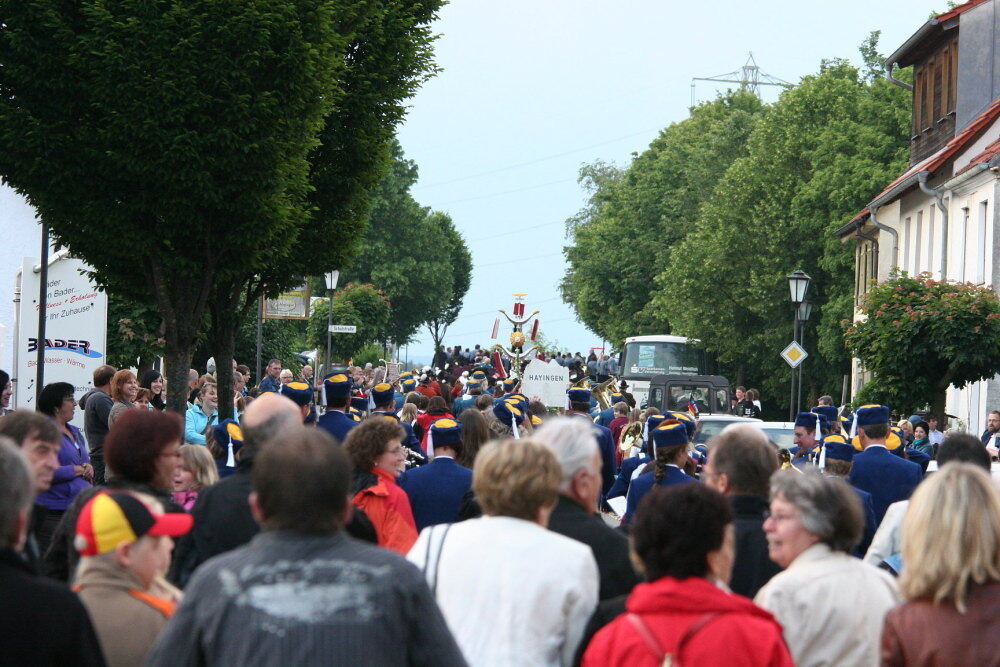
602	392
631	436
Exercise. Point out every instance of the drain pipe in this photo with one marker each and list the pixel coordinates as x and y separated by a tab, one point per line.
895	235
888	74
939	200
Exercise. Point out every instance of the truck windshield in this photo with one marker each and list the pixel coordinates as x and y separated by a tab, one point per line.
653	358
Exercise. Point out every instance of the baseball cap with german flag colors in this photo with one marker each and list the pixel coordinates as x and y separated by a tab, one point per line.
109	519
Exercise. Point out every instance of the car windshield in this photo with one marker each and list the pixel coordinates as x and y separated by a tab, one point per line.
710	428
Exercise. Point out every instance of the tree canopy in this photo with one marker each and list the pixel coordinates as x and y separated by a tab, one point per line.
761	200
917	336
363	306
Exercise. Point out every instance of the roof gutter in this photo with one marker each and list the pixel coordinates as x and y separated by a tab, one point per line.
890	62
939	200
895	235
889	65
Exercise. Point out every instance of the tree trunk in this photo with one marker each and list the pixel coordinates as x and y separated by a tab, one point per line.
177	358
939	400
226	314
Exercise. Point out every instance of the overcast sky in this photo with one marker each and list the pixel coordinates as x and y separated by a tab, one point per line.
532	90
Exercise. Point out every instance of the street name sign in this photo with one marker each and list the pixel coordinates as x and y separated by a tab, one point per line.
343	328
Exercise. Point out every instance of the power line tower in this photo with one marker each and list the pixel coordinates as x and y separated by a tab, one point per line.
750	78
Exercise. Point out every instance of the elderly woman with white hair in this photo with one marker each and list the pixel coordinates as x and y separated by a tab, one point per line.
575	514
830	604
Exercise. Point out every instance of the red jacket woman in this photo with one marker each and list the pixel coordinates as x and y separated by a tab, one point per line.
376	450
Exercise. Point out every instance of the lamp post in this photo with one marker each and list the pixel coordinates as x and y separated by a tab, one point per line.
798	287
331	284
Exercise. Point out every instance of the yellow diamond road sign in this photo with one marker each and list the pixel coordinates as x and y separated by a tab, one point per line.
794	354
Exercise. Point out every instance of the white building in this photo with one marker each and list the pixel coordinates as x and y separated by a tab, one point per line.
940	215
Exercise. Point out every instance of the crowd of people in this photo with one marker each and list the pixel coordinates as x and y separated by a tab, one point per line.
443	519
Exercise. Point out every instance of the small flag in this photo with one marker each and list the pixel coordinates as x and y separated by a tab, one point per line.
692	408
496	329
498	366
534	329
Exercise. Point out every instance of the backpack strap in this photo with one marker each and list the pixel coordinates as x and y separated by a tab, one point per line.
649	639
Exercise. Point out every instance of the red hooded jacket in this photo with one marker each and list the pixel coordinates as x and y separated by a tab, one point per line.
740	634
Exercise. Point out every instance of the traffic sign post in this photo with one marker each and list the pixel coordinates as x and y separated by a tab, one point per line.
794	354
343	328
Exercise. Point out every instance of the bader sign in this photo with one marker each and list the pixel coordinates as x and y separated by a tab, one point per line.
75	333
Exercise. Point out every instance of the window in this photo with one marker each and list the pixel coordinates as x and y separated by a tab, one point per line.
962	273
984	252
906	245
917	243
934	87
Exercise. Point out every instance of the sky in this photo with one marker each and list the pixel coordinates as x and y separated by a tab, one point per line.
530	91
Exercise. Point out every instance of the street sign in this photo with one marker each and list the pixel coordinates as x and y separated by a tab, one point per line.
794	354
547	380
343	328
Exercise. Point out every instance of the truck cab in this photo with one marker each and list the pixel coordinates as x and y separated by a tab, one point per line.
709	394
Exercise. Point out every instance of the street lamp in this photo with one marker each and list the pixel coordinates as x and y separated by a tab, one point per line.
331	284
798	285
804	311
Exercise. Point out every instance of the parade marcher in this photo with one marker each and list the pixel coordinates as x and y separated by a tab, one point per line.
575	514
887	477
197	471
886	547
41	621
376	450
302	592
836	458
621	412
806	435
124	387
337	391
607	415
301	394
951	548
436	409
473	389
541	586
124	540
629	466
579	408
436	490
142	451
224	444
38	439
74	473
96	405
683	538
830	604
475	435
383	397
270	381
506	420
740	464
670	445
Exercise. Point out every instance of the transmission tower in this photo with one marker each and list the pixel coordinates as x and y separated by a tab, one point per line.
750	77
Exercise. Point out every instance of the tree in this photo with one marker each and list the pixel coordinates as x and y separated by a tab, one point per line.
388	56
459	259
918	336
135	333
363	306
635	217
402	254
166	143
813	160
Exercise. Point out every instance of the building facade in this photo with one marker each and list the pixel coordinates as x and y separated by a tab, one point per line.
940	215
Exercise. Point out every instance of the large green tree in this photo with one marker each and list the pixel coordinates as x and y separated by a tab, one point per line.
165	142
406	254
388	55
363	306
459	259
634	217
918	336
814	159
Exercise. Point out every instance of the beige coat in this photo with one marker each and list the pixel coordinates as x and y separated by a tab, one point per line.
127	618
831	607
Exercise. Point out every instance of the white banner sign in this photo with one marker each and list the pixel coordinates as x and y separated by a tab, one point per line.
75	332
343	328
547	380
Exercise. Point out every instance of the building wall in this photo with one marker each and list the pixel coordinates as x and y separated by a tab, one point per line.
973	249
978	62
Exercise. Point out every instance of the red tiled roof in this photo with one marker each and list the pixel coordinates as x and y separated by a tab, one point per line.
952	13
988	154
949	150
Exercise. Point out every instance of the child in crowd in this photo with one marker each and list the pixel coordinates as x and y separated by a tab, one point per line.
196	471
